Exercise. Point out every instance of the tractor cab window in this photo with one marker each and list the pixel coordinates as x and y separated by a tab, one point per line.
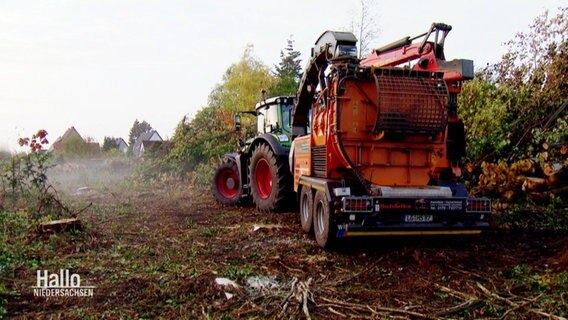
286	114
260	121
267	118
271	123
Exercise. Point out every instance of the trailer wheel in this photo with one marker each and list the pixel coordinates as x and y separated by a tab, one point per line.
269	179
226	184
306	209
324	230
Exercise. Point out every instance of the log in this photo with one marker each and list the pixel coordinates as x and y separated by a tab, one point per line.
532	184
556	175
551	169
561	146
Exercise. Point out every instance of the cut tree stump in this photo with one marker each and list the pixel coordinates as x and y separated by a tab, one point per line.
62	225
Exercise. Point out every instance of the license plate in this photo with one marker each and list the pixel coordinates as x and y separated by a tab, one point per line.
418	218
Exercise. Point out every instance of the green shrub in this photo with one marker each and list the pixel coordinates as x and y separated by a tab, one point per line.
203	174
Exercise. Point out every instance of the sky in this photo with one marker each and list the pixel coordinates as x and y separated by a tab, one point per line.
100	64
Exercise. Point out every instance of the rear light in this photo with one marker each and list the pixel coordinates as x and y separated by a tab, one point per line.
478	205
357	204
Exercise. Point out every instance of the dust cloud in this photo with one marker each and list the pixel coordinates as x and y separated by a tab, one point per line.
80	176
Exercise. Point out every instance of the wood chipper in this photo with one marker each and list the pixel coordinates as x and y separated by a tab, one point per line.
377	142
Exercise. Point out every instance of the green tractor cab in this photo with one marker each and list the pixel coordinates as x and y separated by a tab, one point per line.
259	169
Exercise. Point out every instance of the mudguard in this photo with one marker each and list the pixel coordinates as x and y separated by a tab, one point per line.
274	144
231	156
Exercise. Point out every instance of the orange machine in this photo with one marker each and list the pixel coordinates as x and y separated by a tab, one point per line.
378	144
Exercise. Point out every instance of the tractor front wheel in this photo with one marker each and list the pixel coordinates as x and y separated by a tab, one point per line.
269	179
226	184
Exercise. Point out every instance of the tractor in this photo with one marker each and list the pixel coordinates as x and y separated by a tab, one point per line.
259	169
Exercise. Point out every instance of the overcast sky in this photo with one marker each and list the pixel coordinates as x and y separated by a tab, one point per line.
100	64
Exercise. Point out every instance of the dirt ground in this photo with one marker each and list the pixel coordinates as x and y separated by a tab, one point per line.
158	252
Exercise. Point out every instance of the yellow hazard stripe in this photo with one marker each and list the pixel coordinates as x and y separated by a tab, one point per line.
410	233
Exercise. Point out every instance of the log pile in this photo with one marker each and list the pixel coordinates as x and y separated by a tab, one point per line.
539	179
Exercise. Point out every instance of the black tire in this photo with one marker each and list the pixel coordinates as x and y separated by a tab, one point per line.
306	209
227	186
324	229
270	180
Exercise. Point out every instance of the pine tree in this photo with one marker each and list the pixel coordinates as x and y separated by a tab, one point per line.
288	71
289	66
110	143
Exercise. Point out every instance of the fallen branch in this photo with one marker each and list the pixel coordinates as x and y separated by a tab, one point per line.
290	268
470	273
493	295
286	301
374	310
460	307
336	312
306	294
300	290
454	293
356	275
520	306
354	308
517	306
548	315
84	209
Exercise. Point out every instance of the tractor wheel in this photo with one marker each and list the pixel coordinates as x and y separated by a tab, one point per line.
306	209
324	229
269	179
226	184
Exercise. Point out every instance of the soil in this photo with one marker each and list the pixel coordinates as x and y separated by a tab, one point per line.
155	252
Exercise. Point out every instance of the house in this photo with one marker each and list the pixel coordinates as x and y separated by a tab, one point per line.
146	141
121	145
70	136
72	142
112	143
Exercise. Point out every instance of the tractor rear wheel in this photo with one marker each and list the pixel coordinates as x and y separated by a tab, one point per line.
324	229
226	184
269	179
306	209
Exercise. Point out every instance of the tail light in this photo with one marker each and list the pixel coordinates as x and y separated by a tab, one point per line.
357	204
478	205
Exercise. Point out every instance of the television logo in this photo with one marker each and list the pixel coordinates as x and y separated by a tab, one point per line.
62	284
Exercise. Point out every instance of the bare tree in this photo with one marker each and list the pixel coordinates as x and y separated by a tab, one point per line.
364	25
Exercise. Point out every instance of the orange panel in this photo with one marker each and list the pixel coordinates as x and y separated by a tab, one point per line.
402	160
302	159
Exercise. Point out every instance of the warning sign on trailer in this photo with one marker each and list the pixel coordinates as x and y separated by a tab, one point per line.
446	205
